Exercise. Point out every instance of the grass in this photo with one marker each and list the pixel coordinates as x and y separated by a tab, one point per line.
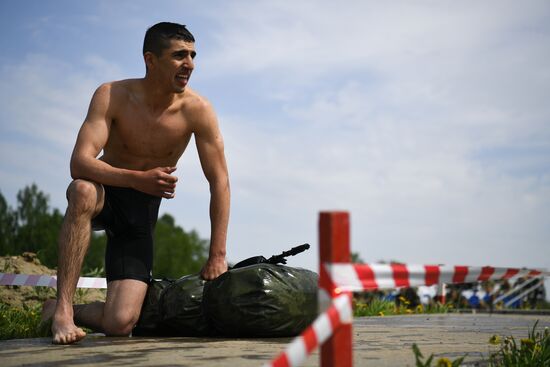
533	351
379	307
18	323
24	322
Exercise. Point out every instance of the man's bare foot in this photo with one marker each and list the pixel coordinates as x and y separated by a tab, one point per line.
64	331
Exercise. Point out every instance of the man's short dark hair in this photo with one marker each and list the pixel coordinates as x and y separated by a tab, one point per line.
157	38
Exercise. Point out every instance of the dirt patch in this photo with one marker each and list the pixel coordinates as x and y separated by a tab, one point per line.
28	263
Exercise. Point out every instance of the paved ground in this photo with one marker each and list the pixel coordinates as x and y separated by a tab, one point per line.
378	341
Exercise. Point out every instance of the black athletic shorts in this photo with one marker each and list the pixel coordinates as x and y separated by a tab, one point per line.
128	218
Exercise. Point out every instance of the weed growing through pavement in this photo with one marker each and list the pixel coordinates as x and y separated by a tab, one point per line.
441	362
533	351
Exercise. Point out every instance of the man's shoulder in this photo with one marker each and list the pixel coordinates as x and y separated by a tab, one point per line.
196	102
196	106
118	88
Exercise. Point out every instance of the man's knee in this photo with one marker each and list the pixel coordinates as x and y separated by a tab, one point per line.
85	196
120	323
123	306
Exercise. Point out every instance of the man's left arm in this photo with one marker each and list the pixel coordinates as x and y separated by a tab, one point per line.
211	154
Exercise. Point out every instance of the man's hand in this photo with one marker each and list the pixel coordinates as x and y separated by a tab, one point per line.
213	268
157	182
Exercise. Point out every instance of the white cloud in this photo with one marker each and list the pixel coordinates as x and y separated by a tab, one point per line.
412	202
31	162
48	98
390	111
325	37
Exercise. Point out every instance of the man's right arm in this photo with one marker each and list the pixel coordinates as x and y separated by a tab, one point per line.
93	136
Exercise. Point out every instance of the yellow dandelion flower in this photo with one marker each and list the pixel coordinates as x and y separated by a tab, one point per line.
444	362
380	313
495	340
527	343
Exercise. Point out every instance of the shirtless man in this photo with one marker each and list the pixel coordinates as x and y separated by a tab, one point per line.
143	127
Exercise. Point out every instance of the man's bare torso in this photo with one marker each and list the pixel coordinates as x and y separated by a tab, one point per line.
142	136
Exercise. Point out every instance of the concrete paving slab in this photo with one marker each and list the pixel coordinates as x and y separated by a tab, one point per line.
378	341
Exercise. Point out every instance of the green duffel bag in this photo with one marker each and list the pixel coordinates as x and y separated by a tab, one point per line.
182	308
261	300
150	318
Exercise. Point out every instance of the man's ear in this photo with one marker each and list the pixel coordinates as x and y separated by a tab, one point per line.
150	60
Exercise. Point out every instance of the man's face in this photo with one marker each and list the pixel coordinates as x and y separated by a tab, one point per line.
175	65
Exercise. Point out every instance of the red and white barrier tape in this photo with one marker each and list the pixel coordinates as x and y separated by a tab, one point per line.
360	277
347	277
316	334
48	281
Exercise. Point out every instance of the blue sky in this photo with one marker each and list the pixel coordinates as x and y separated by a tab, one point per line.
429	121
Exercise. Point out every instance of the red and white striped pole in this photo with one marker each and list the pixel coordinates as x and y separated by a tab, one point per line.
334	239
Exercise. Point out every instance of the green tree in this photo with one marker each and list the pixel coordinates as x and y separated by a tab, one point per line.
177	252
37	228
34	227
7	227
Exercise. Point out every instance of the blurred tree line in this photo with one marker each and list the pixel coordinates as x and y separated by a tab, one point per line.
34	226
